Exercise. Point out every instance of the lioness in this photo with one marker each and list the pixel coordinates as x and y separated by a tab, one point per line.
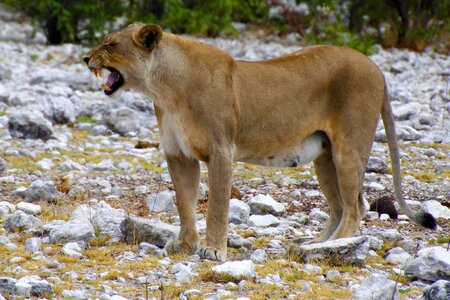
319	104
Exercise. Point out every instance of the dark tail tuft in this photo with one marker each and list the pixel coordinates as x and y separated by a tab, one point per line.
426	220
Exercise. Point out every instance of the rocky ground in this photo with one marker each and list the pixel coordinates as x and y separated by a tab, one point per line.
86	202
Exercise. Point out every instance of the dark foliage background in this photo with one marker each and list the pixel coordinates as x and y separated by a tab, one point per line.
358	24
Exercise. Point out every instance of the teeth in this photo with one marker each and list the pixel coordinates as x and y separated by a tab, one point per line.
104	75
106	87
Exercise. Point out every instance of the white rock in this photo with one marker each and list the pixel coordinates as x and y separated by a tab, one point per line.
69	165
202	190
6	208
45	164
107	220
183	273
73	230
265	204
333	275
73	246
162	201
312	268
318	215
440	290
376	186
371	215
259	256
436	209
384	217
19	220
398	255
38	286
71	252
239	212
263	221
29	208
377	286
431	264
236	269
27	124
158	233
23	289
75	294
312	193
377	165
105	165
38	191
345	250
32	245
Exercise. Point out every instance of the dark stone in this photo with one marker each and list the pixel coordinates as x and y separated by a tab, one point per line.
384	205
7	285
136	230
440	290
29	125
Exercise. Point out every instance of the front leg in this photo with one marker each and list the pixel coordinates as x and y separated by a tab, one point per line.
219	179
185	174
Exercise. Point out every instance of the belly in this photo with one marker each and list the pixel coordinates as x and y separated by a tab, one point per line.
306	151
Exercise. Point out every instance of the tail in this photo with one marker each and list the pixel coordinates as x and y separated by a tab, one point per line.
422	218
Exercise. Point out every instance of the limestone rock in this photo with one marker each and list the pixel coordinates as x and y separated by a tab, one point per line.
342	251
398	255
440	290
6	208
107	220
19	221
76	229
32	245
29	208
237	241
377	165
259	256
377	286
236	269
2	166
75	294
124	121
29	125
239	212
431	264
265	204
38	191
263	221
162	201
136	230
436	209
33	286
7	285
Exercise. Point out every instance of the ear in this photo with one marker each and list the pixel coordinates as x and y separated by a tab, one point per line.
148	36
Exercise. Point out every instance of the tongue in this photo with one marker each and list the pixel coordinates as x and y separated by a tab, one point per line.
112	78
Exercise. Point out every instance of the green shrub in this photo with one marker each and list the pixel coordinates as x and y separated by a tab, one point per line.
64	20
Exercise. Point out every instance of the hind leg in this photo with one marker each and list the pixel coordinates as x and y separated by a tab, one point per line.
326	174
349	170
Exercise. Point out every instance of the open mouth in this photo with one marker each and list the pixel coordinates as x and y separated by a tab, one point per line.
113	79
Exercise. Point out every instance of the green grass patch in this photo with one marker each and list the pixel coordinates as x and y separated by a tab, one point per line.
87	119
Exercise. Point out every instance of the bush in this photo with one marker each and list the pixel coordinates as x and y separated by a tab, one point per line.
186	16
64	20
393	23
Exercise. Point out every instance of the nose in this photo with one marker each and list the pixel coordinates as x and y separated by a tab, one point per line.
86	59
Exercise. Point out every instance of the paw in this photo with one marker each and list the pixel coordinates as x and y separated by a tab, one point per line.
212	254
177	246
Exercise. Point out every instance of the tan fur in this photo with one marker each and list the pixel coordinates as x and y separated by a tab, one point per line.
215	109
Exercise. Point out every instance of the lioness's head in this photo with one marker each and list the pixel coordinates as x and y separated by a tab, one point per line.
122	53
